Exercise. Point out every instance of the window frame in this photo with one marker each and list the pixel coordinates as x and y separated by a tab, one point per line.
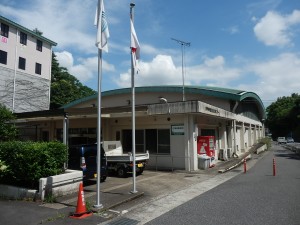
39	45
22	63
4	30
148	140
163	147
23	38
38	68
3	57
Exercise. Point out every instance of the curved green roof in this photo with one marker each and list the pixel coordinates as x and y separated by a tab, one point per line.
224	93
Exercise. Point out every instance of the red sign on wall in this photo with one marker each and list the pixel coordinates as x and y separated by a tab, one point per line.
3	39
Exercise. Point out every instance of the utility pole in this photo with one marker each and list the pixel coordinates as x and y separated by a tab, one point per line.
183	45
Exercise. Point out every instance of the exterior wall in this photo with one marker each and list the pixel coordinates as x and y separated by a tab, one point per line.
32	91
153	98
15	49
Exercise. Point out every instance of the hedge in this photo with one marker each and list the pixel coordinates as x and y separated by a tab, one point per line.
26	162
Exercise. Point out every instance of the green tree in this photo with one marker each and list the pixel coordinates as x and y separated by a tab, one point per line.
284	116
65	88
8	130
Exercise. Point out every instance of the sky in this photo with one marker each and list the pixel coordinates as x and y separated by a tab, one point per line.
250	45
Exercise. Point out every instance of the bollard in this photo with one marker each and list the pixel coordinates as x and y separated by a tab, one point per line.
245	165
274	167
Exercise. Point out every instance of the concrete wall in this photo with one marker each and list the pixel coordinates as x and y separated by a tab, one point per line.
31	92
58	185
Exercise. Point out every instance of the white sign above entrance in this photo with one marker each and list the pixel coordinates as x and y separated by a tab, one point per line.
177	129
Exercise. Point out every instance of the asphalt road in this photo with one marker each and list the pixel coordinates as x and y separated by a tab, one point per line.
254	198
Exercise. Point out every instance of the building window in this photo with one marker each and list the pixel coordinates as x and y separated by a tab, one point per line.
127	141
38	68
3	57
22	63
158	141
4	30
39	45
23	38
163	141
151	140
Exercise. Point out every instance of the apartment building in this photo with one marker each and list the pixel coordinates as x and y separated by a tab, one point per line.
25	68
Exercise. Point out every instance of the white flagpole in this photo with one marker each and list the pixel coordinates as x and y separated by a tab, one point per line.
98	204
133	109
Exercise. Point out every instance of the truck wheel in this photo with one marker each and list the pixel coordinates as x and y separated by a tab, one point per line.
121	172
140	171
102	179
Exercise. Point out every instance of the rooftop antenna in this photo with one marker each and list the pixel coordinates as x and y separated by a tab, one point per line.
183	45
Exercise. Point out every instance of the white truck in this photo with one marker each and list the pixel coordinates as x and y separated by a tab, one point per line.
122	163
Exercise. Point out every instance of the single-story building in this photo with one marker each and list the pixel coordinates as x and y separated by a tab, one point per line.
166	126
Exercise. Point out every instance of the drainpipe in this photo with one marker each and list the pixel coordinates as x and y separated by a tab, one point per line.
15	73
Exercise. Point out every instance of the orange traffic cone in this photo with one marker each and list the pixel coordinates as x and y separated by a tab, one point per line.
81	211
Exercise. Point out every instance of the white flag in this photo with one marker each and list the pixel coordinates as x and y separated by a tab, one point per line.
102	27
135	46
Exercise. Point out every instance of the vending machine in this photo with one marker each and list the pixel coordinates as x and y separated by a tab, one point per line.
206	145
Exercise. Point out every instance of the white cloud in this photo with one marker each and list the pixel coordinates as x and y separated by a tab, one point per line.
270	79
277	77
162	71
86	68
68	23
232	30
274	29
213	70
65	59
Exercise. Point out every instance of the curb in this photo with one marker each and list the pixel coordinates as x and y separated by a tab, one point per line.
135	196
247	157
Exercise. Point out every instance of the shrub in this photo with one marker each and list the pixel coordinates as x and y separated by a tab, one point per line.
3	169
267	141
27	162
8	131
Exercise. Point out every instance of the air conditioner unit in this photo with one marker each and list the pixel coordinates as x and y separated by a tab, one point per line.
229	152
223	154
